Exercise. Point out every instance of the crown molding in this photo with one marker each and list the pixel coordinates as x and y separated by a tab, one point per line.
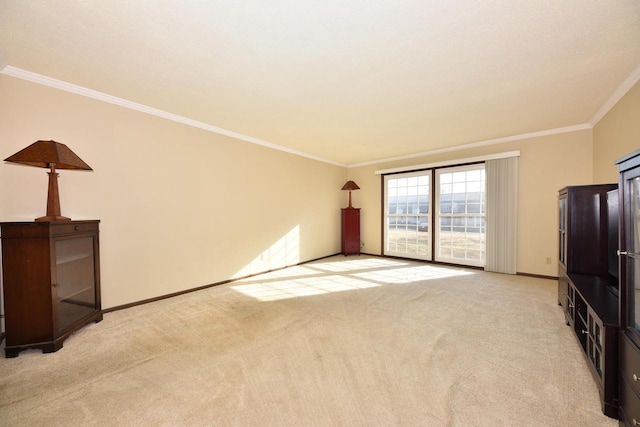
90	93
622	90
6	69
538	134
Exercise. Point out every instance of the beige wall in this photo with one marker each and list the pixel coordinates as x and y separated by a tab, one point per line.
543	169
616	135
179	207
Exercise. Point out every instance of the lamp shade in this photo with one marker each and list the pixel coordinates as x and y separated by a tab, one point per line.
43	154
350	185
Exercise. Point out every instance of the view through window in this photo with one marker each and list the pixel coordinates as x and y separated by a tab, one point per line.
408	220
459	197
461	215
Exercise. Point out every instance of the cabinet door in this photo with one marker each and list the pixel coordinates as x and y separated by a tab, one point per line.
571	303
595	343
351	231
75	280
630	255
562	229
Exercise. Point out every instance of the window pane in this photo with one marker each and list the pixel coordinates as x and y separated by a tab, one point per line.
459	187
407	231
460	235
475	197
459	177
459	207
474	187
474	175
473	207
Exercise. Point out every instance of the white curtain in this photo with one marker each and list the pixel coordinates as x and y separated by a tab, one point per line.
502	215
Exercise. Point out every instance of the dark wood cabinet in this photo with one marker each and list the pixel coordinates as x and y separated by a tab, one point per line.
584	228
587	289
51	282
629	381
350	231
592	313
629	257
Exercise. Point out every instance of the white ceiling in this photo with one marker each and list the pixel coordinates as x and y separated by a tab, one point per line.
348	81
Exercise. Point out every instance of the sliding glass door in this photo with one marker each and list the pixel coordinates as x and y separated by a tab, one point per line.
459	215
407	218
460	235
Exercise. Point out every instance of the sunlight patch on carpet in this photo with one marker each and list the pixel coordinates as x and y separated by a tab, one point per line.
357	264
303	287
411	274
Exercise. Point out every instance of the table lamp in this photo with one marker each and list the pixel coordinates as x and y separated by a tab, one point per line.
350	185
50	154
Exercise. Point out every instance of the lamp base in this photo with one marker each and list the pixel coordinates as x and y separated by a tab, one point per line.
52	218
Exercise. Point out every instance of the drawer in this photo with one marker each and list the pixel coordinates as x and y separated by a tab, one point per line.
47	229
73	227
630	363
629	405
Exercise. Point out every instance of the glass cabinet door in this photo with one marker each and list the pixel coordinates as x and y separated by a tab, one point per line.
632	227
562	227
631	250
75	279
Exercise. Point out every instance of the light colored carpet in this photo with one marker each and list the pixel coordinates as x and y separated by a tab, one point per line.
357	341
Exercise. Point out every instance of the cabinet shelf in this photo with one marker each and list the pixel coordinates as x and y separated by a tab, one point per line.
75	291
74	258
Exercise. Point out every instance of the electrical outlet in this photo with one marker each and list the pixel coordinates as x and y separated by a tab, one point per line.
548	260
